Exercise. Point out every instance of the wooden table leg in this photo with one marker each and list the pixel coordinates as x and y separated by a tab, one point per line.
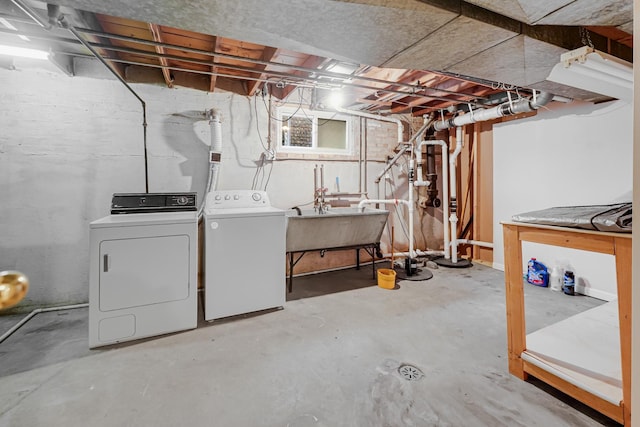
516	333
623	276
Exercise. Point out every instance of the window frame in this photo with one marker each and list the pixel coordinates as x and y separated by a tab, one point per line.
315	116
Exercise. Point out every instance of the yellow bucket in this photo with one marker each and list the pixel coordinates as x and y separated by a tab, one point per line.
386	278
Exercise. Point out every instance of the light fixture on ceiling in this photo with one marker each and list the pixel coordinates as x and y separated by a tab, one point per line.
342	67
23	52
594	71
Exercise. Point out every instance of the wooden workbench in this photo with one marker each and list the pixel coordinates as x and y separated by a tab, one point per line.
610	396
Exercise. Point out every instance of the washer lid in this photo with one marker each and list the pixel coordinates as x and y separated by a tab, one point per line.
159	218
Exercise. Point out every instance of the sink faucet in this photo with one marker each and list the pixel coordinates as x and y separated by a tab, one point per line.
319	192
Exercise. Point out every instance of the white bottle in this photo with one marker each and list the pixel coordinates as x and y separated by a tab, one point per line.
555	279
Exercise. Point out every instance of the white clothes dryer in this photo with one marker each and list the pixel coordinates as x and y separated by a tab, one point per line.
143	276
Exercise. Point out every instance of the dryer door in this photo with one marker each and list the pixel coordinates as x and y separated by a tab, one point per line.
143	271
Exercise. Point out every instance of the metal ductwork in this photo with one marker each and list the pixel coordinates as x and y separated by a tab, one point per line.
522	105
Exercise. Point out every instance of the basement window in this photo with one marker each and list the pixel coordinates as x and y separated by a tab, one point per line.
305	131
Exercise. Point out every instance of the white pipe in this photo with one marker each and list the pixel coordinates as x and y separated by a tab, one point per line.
36	311
396	202
381	202
445	188
215	154
216	130
412	206
475	243
522	105
453	218
419	182
427	123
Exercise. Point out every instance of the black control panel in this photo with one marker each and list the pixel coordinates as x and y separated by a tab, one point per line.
152	202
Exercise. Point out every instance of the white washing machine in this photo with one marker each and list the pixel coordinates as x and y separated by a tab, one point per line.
143	276
244	253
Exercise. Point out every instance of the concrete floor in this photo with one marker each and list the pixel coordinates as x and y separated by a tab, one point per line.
330	358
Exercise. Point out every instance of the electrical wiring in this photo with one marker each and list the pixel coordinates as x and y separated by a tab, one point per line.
268	177
300	96
255	108
255	175
304	204
260	174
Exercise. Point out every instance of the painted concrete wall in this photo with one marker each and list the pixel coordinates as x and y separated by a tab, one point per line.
570	155
69	143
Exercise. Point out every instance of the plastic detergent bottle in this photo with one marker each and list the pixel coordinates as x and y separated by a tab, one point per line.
555	279
537	273
569	283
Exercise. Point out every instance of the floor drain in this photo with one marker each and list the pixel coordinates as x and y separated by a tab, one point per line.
410	373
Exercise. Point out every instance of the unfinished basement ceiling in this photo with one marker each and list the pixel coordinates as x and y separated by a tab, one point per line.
437	52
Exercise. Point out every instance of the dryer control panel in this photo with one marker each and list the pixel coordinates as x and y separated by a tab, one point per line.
153	202
237	199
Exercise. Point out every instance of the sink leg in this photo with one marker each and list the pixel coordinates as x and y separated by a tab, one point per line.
373	261
290	284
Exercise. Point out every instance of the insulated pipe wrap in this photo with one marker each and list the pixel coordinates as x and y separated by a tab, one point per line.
543	99
216	130
506	109
215	126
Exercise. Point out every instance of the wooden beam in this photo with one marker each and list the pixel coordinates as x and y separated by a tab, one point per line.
475	191
214	78
157	37
397	108
267	55
104	26
407	103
